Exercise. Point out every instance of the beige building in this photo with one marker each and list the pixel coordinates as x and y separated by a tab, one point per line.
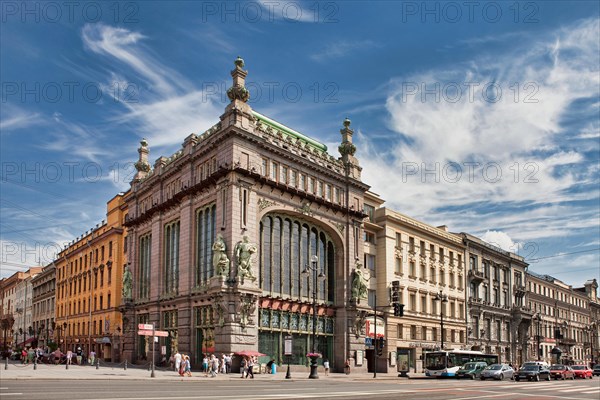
499	317
43	312
426	265
564	319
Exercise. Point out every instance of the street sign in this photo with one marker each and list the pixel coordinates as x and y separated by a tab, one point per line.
145	332
288	346
147	327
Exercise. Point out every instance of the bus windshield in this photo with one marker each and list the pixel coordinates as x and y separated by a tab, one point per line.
435	361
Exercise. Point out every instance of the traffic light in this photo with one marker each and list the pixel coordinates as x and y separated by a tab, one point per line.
380	343
398	310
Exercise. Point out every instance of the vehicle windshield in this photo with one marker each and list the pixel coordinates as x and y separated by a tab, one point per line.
578	367
530	368
557	367
435	361
494	367
469	366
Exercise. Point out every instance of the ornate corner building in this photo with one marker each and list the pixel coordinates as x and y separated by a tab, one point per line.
222	232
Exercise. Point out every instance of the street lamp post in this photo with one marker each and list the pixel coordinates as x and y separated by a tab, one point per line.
538	336
442	298
307	268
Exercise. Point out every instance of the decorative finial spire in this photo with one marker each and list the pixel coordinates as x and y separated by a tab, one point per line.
238	91
142	165
347	147
239	62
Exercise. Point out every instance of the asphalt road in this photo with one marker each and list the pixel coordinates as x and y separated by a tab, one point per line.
45	389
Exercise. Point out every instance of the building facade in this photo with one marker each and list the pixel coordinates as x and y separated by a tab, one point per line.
89	273
43	298
245	236
499	317
425	266
564	322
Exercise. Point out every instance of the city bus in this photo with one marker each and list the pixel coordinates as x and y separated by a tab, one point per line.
447	362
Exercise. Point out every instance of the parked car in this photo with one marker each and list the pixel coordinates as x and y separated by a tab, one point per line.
532	373
471	370
497	371
596	370
540	363
582	371
559	371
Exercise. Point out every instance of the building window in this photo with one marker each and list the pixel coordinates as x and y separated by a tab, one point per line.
413	332
473	263
399	332
371	298
413	270
264	167
143	276
108	300
370	211
171	260
413	302
369	237
302	182
205	235
398	270
294	179
110	249
274	170
284	175
370	264
398	240
411	244
287	245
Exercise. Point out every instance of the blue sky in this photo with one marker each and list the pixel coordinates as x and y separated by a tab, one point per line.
481	116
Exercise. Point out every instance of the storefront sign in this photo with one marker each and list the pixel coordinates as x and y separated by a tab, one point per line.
370	327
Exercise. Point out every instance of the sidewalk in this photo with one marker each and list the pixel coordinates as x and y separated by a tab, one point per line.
112	371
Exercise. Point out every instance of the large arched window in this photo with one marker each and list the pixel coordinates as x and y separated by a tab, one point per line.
287	244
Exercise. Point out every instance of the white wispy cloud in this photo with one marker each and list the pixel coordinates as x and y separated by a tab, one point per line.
175	109
13	118
342	48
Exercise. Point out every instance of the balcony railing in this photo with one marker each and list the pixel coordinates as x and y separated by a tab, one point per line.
476	275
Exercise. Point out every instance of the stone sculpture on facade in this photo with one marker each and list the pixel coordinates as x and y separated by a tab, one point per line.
220	310
127	283
359	283
246	309
243	253
359	324
220	259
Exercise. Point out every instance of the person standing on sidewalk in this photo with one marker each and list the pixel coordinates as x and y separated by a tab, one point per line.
177	360
326	366
227	363
92	357
79	353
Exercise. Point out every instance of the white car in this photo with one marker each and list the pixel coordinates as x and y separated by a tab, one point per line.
497	371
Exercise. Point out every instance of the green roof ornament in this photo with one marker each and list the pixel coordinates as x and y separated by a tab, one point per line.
239	62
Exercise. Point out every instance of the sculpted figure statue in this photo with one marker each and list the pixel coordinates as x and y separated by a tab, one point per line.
359	283
243	253
127	283
220	259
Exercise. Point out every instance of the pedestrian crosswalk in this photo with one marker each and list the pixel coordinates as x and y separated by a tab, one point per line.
556	387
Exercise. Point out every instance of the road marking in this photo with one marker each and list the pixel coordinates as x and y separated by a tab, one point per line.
12	394
575	390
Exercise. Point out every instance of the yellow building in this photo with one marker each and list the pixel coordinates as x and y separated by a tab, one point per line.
88	287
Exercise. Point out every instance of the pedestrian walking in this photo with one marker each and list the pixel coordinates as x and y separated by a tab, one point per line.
177	361
92	357
326	366
205	365
243	366
187	366
69	357
214	366
347	367
227	363
250	367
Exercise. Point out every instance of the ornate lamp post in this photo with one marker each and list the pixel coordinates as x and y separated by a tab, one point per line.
538	318
442	298
307	269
